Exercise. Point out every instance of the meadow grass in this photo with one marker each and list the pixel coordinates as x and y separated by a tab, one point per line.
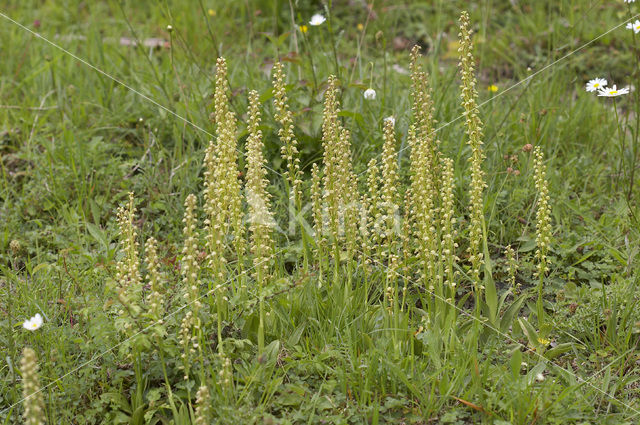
408	307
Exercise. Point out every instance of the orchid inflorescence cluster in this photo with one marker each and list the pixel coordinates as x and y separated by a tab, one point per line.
413	231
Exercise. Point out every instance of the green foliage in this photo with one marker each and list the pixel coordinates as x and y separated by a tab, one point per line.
73	142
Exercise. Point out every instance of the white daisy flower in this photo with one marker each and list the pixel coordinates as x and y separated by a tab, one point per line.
370	94
596	84
629	1
613	91
390	119
317	19
34	323
634	26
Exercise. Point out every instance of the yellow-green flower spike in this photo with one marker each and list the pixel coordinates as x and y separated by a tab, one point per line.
543	213
34	413
289	148
203	406
469	97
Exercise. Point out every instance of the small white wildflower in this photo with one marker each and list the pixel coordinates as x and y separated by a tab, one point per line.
634	26
34	323
539	377
596	84
629	1
317	19
370	94
613	91
390	119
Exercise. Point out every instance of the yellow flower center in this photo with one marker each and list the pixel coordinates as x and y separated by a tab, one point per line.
613	92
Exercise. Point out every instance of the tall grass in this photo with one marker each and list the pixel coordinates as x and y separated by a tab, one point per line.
396	303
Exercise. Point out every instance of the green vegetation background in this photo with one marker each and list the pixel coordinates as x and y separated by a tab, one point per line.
73	142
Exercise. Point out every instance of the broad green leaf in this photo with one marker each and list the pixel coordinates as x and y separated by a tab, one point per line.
529	331
295	335
511	312
137	418
516	362
98	234
491	298
558	350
